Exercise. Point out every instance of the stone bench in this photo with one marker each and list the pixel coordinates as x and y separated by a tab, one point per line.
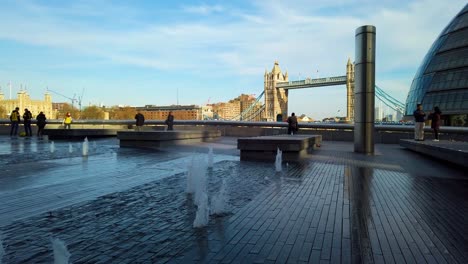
79	134
156	139
265	147
451	151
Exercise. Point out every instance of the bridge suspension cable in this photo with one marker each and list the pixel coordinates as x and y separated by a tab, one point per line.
389	101
255	114
388	97
247	114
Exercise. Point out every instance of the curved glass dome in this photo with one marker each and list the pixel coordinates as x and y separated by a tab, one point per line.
442	77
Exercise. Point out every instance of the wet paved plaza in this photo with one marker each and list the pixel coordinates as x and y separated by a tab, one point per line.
130	206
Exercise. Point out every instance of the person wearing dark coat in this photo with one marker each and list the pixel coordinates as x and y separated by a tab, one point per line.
170	121
41	123
140	120
27	116
435	122
292	124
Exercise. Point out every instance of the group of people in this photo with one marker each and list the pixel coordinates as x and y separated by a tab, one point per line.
140	121
420	118
15	120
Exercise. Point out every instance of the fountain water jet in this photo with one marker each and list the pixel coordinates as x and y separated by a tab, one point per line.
219	203
52	147
85	146
203	212
61	254
196	178
210	157
70	148
279	160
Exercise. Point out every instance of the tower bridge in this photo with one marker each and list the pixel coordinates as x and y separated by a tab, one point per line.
277	86
276	91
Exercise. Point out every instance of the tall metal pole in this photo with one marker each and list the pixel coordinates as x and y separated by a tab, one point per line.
364	90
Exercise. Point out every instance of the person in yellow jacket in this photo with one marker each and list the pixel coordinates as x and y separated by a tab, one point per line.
67	121
15	119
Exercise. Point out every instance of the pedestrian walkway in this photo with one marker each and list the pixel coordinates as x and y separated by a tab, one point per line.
129	206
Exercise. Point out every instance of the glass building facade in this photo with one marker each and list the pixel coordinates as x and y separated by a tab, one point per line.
442	77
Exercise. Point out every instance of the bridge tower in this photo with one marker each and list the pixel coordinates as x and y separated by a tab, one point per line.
349	91
276	99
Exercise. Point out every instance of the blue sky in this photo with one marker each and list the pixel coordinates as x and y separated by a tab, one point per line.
143	52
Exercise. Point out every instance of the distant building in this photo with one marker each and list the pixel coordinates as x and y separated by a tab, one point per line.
378	114
24	101
207	112
399	116
227	111
305	119
180	112
58	106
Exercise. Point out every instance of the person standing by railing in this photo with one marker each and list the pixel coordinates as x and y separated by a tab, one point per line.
292	124
27	116
419	117
41	123
15	119
170	121
67	121
139	121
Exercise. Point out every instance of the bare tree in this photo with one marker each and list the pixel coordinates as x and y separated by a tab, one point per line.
92	112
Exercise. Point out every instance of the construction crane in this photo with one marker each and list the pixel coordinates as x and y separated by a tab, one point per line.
73	100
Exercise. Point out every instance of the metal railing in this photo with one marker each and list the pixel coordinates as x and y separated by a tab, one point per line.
384	134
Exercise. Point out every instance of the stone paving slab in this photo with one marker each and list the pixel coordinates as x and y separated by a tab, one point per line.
337	206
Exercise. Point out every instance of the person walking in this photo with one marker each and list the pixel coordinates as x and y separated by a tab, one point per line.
41	123
292	124
15	119
27	116
67	121
435	122
140	120
170	121
419	117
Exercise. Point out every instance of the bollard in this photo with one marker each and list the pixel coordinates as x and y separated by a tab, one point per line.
364	90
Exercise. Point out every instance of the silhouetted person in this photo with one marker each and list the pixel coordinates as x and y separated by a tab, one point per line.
292	124
15	119
435	124
67	121
419	116
27	116
170	121
140	121
41	123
